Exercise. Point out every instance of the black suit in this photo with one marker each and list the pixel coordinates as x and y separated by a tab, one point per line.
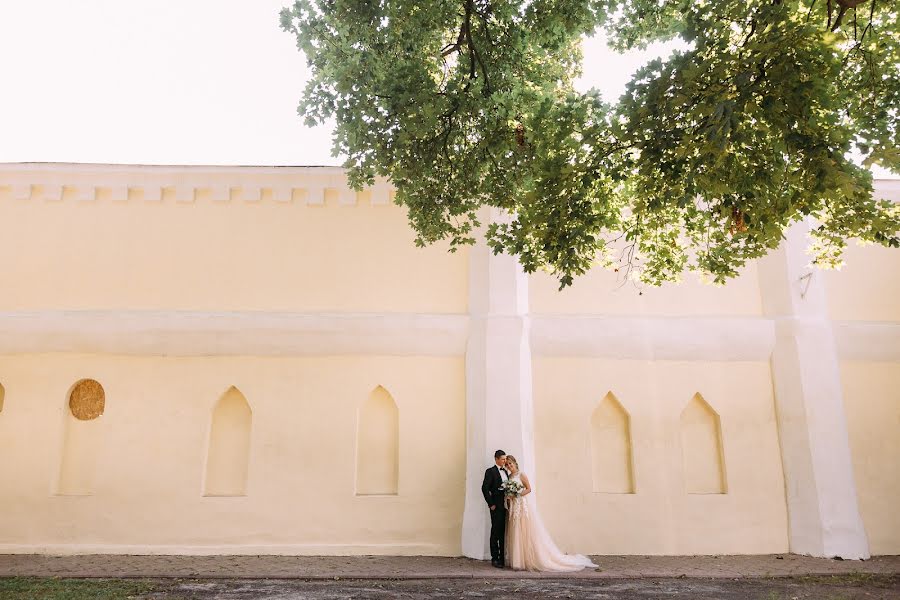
494	496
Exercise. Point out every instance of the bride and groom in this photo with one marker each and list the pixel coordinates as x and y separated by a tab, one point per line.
518	537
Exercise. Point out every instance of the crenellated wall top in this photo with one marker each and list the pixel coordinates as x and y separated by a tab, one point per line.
219	183
54	182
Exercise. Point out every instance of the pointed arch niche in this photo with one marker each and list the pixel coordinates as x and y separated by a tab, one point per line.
378	445
82	438
228	458
701	446
611	452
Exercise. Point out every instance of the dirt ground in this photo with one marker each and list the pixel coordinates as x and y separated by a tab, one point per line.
161	577
232	567
871	587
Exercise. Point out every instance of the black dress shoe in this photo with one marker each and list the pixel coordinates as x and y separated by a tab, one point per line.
498	564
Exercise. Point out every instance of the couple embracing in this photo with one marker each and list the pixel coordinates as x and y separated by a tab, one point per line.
518	537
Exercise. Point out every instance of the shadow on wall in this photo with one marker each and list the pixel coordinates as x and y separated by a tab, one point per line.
229	443
701	446
378	445
612	451
82	439
228	456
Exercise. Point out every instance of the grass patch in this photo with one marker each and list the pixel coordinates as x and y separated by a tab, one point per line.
42	588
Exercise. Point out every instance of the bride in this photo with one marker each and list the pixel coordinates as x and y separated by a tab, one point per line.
528	545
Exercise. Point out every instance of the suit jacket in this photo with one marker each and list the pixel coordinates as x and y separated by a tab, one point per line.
490	487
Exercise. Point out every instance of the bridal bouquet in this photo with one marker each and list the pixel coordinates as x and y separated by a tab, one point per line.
512	488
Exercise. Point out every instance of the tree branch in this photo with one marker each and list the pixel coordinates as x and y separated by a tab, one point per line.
845	6
455	46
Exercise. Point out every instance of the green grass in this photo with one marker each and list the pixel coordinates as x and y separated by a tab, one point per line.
42	588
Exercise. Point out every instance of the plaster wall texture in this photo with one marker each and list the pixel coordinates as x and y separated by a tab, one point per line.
147	492
227	255
660	517
865	293
872	401
824	517
608	293
499	409
867	287
168	285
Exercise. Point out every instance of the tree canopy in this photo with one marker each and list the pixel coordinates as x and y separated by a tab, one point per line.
710	154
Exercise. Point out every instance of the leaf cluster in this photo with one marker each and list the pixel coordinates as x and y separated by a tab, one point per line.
702	164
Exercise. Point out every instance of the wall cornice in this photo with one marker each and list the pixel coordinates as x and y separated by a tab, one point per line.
54	182
221	183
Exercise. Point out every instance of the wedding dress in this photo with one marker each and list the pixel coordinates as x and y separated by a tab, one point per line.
528	545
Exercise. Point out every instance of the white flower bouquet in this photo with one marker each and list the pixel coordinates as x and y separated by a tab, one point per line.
512	488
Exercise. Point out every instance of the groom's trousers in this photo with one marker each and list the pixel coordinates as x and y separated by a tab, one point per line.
498	533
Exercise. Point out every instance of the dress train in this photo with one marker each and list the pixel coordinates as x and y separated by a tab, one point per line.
529	546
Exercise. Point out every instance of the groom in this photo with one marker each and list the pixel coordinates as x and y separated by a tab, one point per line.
494	495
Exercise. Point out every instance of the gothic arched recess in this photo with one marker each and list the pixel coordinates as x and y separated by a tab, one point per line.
611	451
378	445
228	458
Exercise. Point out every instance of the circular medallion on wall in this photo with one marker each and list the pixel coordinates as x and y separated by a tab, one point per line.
87	400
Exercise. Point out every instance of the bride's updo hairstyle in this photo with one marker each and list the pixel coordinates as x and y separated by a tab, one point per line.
512	459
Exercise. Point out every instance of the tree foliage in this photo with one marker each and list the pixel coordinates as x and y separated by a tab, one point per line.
701	165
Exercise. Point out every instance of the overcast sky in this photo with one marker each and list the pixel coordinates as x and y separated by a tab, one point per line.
174	82
171	82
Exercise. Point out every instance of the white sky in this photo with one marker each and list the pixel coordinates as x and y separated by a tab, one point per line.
173	82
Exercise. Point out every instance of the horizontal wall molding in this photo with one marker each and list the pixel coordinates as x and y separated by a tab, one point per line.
349	549
700	338
653	338
867	341
196	333
263	333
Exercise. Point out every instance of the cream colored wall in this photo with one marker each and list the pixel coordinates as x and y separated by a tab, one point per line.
867	288
660	517
602	292
300	493
235	255
872	402
207	248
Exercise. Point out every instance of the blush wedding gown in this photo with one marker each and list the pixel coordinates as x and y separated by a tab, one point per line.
528	545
